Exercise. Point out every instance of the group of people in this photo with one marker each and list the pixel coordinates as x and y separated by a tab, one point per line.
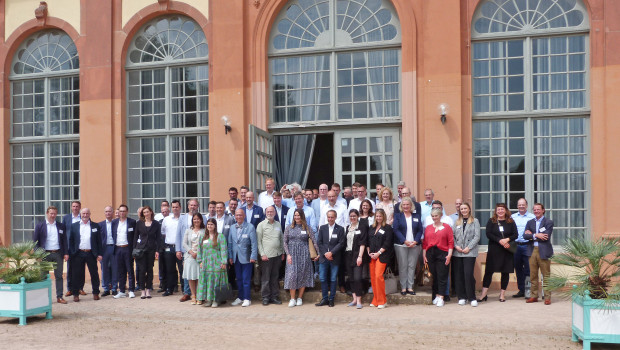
344	241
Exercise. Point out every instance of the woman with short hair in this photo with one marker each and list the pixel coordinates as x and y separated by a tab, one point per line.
437	252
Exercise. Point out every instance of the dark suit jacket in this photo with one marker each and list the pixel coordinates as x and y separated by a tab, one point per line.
149	237
95	239
328	243
40	236
359	239
379	239
104	233
67	221
545	248
400	228
282	220
417	209
257	215
131	228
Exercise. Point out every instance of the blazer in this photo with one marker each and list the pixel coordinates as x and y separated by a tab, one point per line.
229	220
148	238
242	243
95	239
385	240
417	209
104	233
67	220
258	215
282	220
359	239
329	243
468	238
131	229
40	236
181	228
400	227
545	248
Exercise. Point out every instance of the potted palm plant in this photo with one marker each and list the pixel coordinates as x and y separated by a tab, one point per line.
25	285
593	270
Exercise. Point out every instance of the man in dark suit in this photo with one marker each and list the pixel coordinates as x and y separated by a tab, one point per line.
331	242
51	236
122	233
281	209
85	248
253	213
406	192
109	272
538	234
68	220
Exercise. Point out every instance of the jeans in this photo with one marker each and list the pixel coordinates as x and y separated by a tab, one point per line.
522	266
244	279
328	287
109	270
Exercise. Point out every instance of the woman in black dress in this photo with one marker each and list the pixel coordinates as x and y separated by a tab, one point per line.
501	230
354	257
146	237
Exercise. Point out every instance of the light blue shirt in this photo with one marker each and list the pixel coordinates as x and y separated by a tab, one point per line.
310	218
248	213
521	221
538	221
426	210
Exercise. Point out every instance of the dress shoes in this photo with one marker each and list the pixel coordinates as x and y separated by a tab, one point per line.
82	292
532	300
68	294
547	301
276	301
185	298
61	301
114	292
265	302
446	298
323	302
161	290
519	295
96	297
166	293
76	298
105	293
331	303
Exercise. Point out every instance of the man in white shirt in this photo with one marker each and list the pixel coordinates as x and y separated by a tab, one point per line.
67	220
165	211
50	235
170	259
355	203
85	247
319	203
109	271
265	198
336	189
522	262
444	218
342	217
122	231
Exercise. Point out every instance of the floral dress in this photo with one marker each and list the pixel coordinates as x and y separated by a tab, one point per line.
212	275
299	273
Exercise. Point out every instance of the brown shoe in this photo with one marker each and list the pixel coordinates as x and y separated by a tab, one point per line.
185	298
532	300
82	292
61	301
76	298
547	301
68	294
96	297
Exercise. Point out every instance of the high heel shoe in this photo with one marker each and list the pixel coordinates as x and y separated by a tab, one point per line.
483	299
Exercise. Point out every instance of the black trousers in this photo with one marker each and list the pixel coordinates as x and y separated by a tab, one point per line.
342	272
58	259
488	277
270	271
170	266
144	265
81	259
354	274
464	281
124	262
437	264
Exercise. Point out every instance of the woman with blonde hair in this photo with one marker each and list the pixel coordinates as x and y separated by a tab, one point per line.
466	238
387	204
381	251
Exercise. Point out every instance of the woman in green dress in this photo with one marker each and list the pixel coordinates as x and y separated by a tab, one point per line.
212	257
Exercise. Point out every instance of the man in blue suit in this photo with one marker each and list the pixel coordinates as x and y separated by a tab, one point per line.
85	248
123	230
68	220
109	272
538	234
331	242
281	209
50	235
242	252
253	213
185	222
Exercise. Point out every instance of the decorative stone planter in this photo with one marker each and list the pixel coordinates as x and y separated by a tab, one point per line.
595	322
26	299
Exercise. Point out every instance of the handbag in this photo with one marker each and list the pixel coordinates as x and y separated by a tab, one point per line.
223	292
512	245
313	253
391	282
138	253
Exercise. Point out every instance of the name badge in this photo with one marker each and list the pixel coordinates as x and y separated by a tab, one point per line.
205	241
381	231
60	231
542	229
501	229
416	220
304	233
226	226
139	240
459	226
244	235
256	216
94	230
334	236
414	211
167	249
130	229
357	232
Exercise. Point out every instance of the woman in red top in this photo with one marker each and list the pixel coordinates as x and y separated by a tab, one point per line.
437	251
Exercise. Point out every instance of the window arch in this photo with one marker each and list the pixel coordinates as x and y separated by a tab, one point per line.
167	113
335	60
45	113
530	109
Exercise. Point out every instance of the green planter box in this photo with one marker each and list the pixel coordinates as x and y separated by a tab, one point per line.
593	322
26	299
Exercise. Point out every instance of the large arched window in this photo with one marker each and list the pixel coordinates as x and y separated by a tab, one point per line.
167	113
335	61
531	108
45	113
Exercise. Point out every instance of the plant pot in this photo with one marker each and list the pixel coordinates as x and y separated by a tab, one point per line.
594	321
26	299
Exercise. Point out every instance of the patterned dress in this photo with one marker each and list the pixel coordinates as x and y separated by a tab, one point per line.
191	270
211	273
299	274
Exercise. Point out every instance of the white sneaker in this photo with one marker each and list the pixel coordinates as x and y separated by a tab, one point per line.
435	300
382	306
440	302
214	304
237	302
462	302
207	303
474	303
299	302
246	303
372	305
291	303
132	295
120	295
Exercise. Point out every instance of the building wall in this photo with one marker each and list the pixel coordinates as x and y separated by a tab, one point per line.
435	69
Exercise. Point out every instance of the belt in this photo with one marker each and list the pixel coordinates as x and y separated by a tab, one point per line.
170	245
53	251
110	245
520	243
123	246
85	250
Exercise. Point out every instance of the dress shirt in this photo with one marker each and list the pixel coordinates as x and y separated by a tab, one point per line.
265	199
220	223
51	243
342	217
409	235
75	219
311	220
121	233
159	217
521	221
248	214
85	235
356	202
169	229
426	210
108	230
269	238
538	221
279	212
454	217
